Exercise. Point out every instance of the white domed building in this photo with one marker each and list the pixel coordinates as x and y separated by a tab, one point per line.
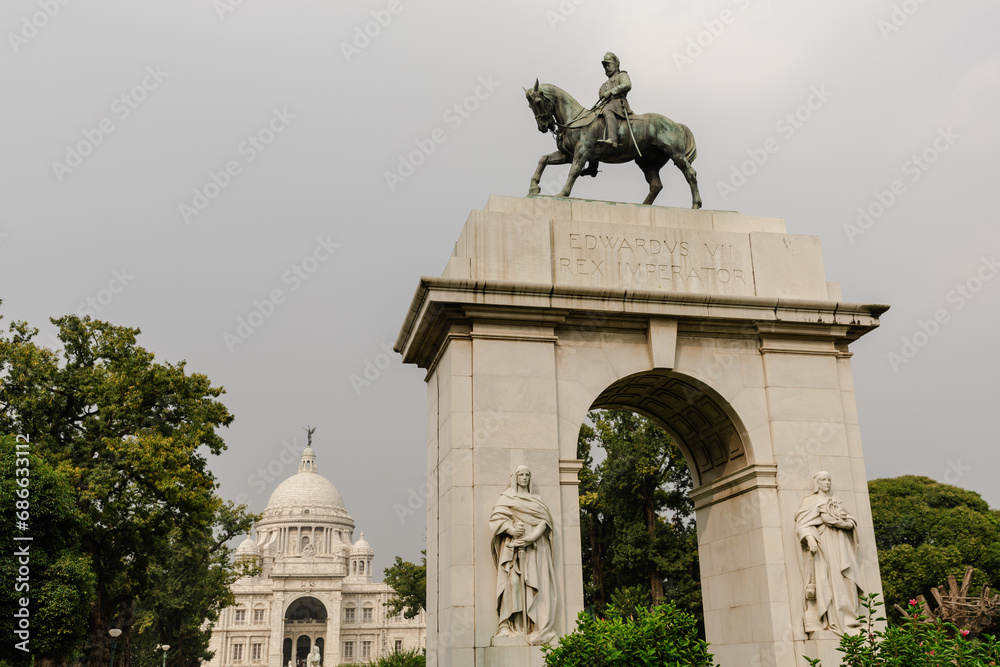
315	588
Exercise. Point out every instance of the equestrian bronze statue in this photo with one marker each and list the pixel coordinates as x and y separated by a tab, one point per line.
610	132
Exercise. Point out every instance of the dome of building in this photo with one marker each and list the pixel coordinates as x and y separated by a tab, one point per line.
306	489
361	547
248	548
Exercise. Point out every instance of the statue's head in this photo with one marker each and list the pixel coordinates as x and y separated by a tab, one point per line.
611	63
521	477
822	482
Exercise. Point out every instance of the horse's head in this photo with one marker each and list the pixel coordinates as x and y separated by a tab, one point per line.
542	107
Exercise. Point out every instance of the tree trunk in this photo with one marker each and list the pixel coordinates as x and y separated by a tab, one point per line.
655	583
596	557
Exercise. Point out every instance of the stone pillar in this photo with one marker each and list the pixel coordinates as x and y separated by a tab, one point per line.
331	647
277	629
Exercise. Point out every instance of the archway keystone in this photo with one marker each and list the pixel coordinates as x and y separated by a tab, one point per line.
720	327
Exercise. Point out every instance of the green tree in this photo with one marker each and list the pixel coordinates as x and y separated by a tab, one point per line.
925	531
194	575
637	520
409	581
128	436
57	579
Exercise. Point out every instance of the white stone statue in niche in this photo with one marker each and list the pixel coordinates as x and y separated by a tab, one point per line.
314	657
307	548
828	535
522	526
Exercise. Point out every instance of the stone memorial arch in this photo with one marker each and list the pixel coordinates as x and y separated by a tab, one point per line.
720	327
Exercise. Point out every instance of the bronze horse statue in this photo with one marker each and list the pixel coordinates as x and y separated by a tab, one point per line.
652	141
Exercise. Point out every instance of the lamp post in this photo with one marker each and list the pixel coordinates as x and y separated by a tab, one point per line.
164	648
115	634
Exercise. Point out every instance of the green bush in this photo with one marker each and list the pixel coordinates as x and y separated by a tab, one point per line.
913	643
662	636
412	658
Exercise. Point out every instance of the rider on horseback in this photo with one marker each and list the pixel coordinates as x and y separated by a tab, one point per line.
613	92
612	105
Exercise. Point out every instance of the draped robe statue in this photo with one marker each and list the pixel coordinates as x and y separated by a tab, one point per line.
829	539
521	527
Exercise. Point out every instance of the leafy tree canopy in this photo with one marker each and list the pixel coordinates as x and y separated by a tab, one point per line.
409	582
125	437
637	521
925	531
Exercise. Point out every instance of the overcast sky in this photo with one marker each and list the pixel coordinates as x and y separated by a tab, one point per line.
177	163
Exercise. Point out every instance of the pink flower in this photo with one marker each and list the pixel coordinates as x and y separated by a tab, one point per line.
965	633
913	602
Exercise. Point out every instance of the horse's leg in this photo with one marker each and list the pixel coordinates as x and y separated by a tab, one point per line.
651	170
579	160
692	178
551	158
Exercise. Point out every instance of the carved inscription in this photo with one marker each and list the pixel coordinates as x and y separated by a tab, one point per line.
674	260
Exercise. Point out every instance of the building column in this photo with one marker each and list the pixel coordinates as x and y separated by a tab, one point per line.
277	630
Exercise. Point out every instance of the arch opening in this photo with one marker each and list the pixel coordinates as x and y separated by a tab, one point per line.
306	609
302	647
639	540
704	425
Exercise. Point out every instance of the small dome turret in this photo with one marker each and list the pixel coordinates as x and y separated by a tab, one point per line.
360	560
362	548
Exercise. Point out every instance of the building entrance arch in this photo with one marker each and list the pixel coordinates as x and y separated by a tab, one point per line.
719	327
306	626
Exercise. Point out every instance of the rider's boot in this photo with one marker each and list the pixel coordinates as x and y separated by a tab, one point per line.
611	130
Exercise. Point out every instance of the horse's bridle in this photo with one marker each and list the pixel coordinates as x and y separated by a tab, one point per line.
548	116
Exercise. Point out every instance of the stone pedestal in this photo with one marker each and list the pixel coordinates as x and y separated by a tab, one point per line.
720	327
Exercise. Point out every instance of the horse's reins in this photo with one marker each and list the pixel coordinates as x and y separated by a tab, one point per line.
568	126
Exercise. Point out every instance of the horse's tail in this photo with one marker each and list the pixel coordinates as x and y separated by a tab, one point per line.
690	149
